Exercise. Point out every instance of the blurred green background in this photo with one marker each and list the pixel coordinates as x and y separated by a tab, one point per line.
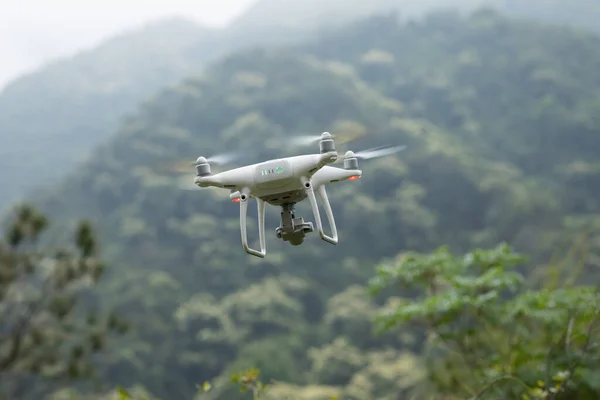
111	276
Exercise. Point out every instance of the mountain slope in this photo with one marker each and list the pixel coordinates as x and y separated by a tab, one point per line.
309	14
466	95
50	119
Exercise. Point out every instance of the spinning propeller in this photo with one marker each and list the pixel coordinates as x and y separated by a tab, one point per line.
344	138
372	153
182	169
221	159
313	139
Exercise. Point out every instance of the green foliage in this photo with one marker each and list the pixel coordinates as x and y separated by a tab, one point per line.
92	91
55	116
134	393
248	381
44	331
313	13
490	334
499	116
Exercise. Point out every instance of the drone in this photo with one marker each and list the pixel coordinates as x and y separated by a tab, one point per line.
285	182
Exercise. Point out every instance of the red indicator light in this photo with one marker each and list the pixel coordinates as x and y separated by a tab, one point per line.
236	200
354	177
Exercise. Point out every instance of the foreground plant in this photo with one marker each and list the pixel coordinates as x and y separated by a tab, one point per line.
490	334
45	333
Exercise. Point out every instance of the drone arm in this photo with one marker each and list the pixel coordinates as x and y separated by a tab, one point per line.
261	226
330	174
311	164
333	239
238	177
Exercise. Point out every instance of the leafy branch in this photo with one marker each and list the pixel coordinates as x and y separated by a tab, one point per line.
44	332
474	304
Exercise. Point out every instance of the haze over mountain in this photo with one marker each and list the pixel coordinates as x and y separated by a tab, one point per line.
33	32
51	119
311	13
501	121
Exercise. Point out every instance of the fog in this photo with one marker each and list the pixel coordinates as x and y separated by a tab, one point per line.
33	32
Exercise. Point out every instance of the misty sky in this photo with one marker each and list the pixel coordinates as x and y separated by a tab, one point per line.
35	31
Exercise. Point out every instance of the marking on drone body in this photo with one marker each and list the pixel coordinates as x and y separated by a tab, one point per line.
276	170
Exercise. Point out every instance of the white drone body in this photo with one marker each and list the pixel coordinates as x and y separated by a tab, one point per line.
284	182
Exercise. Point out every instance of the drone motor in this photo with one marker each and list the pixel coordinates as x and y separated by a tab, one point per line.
350	160
326	144
202	167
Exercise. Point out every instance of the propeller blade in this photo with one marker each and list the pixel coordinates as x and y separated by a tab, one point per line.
217	159
378	152
372	153
312	139
224	158
303	140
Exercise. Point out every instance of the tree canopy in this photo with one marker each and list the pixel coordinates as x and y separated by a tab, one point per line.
51	331
57	115
501	121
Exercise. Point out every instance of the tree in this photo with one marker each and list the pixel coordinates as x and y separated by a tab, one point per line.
490	334
45	331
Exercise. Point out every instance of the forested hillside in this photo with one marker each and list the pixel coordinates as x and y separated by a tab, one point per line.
501	122
312	13
51	119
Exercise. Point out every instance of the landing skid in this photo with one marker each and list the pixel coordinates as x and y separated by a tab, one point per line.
291	229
